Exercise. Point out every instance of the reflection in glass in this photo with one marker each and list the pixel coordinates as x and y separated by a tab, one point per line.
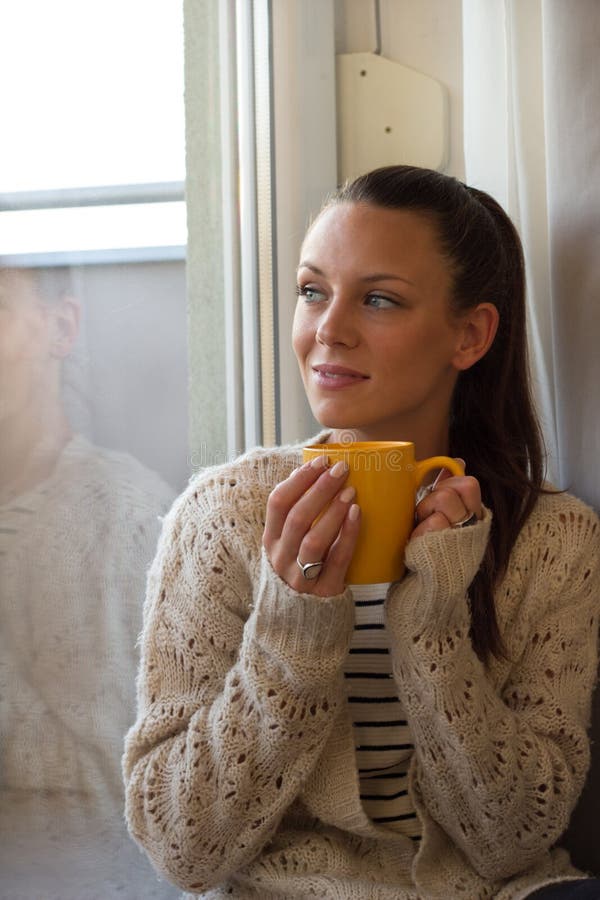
78	528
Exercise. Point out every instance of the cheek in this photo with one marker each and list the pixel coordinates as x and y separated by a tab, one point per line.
394	355
13	345
24	350
301	336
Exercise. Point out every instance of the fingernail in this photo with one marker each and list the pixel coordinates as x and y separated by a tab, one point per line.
347	494
339	469
319	462
354	512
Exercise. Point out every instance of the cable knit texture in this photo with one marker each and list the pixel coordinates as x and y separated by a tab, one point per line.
240	771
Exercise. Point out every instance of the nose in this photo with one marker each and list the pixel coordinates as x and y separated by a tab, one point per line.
336	325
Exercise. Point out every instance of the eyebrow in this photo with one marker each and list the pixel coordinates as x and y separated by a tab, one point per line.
376	276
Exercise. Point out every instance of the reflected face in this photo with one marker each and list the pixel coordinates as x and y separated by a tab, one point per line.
24	344
373	332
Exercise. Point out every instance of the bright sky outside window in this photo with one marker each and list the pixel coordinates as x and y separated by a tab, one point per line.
92	94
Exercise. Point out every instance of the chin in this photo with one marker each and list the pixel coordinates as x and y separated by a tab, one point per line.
333	423
327	420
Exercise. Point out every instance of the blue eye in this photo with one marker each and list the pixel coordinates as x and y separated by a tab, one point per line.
376	301
310	294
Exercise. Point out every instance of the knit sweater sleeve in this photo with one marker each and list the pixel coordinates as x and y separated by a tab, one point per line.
500	762
239	685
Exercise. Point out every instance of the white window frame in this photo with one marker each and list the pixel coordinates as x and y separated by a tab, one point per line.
111	195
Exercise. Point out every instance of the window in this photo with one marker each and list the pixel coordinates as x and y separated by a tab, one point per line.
92	155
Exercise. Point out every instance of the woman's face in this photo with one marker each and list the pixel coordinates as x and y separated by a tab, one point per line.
24	344
373	332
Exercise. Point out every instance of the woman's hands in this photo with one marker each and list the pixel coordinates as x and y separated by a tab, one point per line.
292	508
314	491
452	499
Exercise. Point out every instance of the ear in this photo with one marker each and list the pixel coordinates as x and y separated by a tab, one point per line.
66	317
478	329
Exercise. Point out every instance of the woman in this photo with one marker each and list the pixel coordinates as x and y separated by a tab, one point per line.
246	771
78	528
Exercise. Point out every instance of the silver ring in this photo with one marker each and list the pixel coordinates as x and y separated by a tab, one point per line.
469	519
428	489
310	571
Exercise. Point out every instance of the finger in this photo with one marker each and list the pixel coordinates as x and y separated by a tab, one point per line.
316	542
446	500
469	491
441	476
284	495
456	497
312	504
437	521
332	579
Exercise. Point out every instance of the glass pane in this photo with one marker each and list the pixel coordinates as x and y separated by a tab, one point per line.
91	93
93	228
93	426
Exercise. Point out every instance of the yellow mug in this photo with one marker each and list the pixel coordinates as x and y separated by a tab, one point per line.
386	477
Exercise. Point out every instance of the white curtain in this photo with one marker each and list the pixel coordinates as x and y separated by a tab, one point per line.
532	139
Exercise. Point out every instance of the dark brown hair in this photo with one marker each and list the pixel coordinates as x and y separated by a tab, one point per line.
493	424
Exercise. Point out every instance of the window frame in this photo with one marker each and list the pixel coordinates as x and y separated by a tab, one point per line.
84	197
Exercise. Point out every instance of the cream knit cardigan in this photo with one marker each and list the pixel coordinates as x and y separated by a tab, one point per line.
240	771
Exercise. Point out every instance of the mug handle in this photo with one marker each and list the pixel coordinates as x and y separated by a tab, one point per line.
423	466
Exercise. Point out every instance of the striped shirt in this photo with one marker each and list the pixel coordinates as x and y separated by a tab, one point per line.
382	738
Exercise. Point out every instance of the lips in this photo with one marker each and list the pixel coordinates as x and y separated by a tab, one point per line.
336	377
337	371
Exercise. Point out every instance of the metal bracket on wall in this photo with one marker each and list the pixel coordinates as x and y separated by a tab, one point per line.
387	114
